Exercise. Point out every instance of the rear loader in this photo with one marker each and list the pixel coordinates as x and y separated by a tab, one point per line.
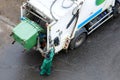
49	26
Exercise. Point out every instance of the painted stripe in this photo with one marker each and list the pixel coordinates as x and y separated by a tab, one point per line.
90	18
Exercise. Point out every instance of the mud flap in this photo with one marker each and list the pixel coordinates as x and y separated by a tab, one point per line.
47	63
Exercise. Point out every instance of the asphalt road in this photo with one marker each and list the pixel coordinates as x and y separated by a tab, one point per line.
97	59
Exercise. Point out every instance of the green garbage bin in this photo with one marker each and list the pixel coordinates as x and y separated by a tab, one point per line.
26	33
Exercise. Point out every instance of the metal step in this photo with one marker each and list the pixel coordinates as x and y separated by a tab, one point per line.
95	24
108	17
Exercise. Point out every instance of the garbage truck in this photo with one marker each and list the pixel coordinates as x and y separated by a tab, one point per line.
61	24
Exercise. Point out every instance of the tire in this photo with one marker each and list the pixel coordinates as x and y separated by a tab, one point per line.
116	9
78	40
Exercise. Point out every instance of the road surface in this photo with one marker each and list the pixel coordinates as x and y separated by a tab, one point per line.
97	59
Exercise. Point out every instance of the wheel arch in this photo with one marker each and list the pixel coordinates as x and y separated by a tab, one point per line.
80	31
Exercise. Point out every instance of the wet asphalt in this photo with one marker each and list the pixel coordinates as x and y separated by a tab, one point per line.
97	59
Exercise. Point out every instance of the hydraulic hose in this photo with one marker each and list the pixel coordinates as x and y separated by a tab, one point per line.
51	10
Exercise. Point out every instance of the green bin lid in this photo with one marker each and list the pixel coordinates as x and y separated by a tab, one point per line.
26	29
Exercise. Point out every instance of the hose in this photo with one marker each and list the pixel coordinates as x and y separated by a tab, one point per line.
67	6
51	10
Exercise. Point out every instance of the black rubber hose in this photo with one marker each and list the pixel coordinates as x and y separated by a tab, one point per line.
51	10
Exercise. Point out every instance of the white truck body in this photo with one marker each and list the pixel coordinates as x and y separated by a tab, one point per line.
60	13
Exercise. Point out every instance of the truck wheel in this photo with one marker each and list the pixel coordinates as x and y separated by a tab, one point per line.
78	40
116	9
